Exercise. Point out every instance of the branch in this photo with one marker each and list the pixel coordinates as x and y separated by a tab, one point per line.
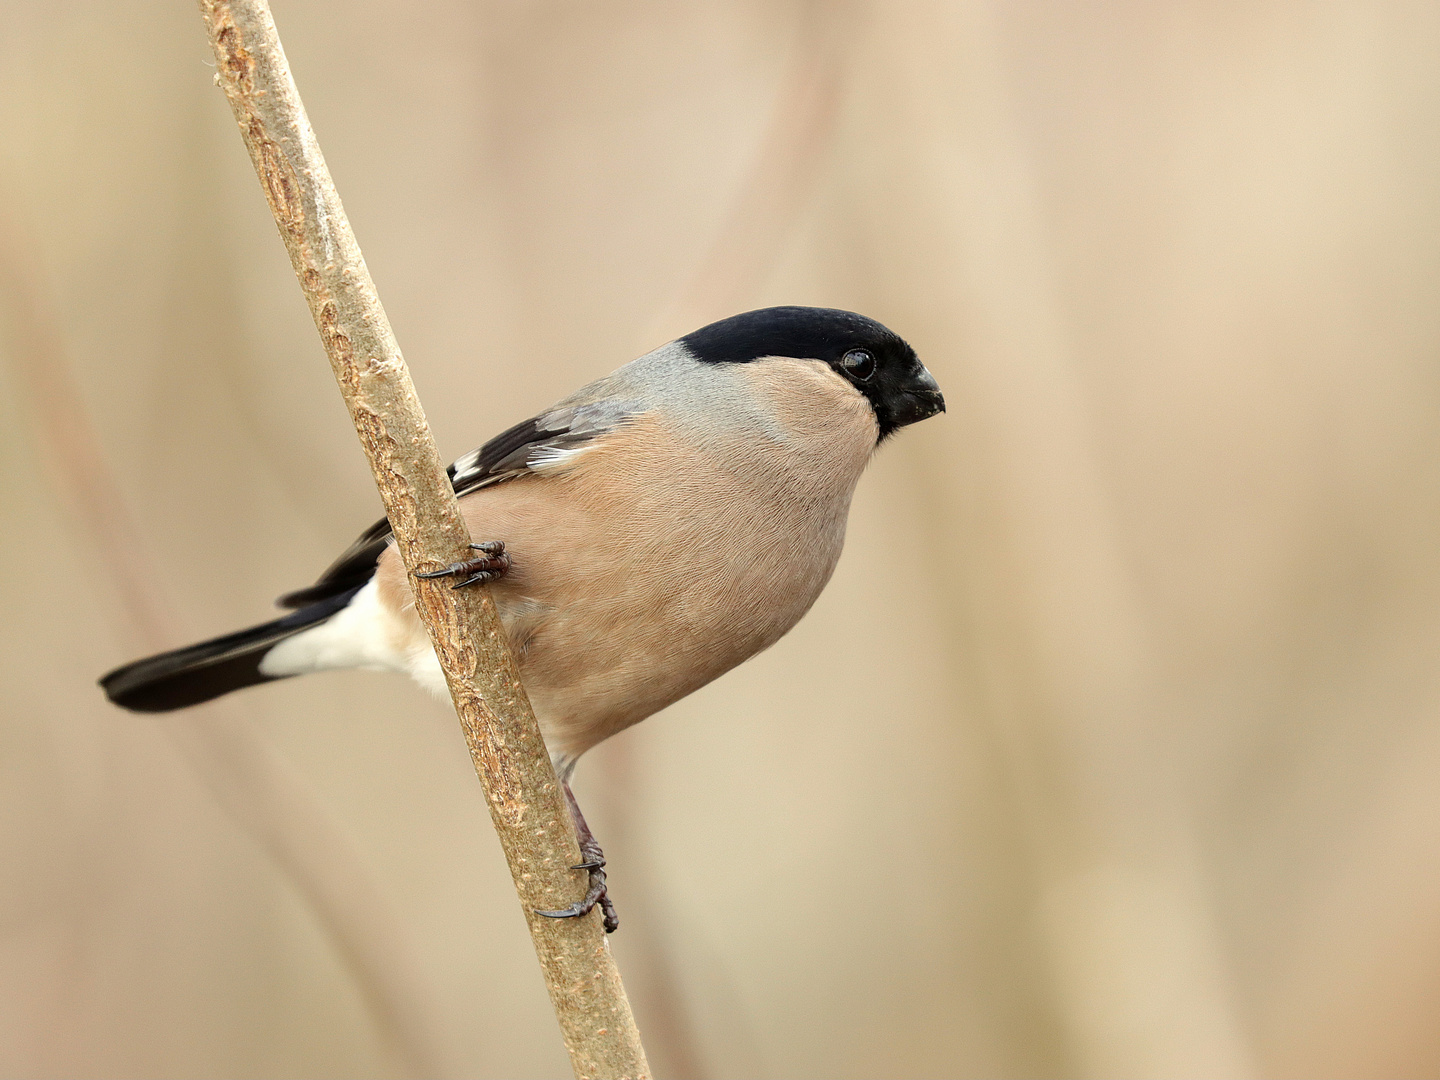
526	804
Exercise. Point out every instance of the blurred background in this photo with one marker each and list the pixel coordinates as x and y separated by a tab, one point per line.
1111	748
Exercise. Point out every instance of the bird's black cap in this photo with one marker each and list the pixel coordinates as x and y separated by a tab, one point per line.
873	358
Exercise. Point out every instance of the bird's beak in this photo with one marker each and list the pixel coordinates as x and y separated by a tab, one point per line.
920	399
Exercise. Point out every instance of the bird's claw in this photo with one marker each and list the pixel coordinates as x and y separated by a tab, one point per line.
597	893
489	565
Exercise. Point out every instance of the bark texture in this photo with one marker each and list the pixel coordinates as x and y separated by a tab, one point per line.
526	803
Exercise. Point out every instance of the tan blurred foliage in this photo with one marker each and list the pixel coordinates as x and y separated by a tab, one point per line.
1111	749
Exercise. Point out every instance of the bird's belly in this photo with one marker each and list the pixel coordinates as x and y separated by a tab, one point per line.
611	623
602	663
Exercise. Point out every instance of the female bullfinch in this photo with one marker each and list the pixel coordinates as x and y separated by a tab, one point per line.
642	537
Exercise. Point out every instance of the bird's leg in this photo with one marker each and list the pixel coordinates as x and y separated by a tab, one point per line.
490	564
592	859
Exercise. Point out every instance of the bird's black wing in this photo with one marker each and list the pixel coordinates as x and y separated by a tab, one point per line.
534	445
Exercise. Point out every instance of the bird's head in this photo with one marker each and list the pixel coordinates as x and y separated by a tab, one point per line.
872	358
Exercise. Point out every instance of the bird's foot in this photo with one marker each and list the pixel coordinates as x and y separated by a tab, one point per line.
489	565
592	859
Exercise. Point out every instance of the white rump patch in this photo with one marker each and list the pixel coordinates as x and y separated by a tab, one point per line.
359	635
362	634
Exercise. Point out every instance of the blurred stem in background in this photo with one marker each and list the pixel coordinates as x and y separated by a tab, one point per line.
1057	646
259	791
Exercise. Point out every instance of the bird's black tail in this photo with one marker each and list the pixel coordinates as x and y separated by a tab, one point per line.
200	672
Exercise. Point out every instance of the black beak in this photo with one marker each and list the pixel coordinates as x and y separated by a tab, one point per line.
919	399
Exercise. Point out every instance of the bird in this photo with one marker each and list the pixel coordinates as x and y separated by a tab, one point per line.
643	536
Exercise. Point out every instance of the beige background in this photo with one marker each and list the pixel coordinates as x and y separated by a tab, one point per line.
1110	750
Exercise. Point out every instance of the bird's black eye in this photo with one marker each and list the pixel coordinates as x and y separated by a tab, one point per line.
858	364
